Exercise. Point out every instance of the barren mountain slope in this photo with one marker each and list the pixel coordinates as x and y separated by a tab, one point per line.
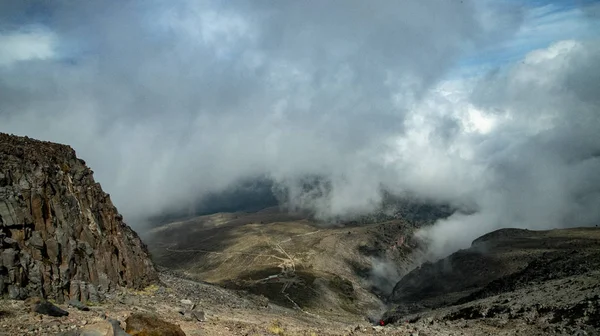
541	281
290	259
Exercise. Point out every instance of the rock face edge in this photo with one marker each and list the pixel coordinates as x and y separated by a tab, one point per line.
61	237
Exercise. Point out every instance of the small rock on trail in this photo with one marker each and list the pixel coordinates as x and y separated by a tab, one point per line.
44	307
78	304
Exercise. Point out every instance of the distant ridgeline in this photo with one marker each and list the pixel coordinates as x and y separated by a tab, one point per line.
249	195
254	194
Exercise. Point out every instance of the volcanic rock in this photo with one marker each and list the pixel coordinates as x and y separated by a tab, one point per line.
60	235
44	307
78	304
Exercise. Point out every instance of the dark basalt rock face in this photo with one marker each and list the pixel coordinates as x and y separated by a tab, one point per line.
60	235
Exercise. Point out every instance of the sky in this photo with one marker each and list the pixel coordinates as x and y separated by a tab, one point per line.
486	105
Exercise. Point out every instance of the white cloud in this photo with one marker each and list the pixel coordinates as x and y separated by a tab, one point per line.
170	103
26	45
538	164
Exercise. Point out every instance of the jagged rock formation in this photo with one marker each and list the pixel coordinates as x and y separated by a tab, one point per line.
60	235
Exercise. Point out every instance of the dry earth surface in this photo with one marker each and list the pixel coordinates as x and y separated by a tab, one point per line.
291	260
226	312
510	282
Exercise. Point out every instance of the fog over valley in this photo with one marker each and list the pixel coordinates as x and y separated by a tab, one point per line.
194	107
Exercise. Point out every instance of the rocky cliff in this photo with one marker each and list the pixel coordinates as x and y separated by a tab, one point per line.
60	235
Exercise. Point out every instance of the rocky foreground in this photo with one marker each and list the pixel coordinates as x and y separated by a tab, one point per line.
182	306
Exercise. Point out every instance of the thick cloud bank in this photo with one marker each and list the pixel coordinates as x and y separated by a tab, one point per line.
171	102
539	163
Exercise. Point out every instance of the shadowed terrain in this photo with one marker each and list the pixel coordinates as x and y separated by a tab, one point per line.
549	279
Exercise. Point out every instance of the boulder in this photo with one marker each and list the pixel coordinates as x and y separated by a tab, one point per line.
193	314
78	304
198	315
143	324
44	307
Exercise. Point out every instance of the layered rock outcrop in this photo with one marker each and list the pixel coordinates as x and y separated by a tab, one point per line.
60	235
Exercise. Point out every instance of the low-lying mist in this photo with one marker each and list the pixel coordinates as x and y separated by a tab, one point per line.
175	105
